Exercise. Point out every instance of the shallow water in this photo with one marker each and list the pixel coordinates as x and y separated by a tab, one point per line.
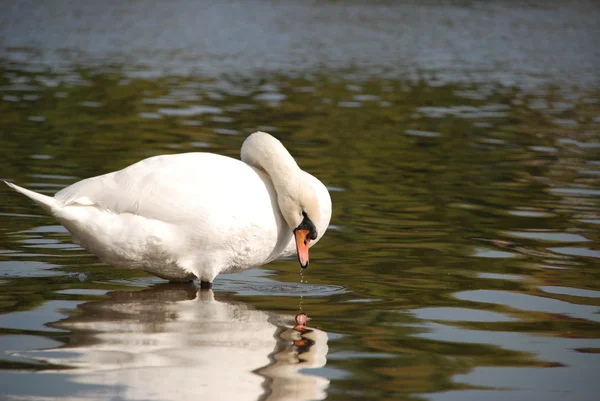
462	260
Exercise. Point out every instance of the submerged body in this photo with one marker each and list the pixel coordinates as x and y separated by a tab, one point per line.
186	216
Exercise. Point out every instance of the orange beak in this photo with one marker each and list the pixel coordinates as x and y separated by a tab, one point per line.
302	243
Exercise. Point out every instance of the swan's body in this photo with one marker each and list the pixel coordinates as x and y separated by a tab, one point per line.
193	214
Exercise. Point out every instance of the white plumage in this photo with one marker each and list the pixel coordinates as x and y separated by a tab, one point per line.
193	214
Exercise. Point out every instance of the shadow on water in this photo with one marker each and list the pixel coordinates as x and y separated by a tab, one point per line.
462	259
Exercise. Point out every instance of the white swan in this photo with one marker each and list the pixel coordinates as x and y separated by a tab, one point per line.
195	215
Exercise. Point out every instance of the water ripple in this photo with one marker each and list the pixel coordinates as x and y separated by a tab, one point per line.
527	302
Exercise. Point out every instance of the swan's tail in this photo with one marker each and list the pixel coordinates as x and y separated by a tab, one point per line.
46	202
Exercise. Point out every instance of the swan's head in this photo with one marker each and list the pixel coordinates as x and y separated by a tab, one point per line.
302	214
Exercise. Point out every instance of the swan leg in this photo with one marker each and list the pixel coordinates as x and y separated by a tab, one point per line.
205	285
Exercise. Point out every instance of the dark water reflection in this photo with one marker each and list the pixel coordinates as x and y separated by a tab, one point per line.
463	256
462	260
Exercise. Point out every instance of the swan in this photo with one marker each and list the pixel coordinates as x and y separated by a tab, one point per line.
194	215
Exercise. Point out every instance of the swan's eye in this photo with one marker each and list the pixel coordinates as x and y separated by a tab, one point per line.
308	225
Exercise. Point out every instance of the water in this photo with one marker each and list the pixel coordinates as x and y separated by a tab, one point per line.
463	159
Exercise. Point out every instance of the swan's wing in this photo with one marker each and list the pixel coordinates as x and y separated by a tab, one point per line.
167	188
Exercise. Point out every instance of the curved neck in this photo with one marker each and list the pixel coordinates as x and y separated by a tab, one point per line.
265	152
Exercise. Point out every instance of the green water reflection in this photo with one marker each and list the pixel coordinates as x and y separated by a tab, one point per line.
462	259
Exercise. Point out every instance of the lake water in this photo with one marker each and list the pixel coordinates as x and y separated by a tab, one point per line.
460	142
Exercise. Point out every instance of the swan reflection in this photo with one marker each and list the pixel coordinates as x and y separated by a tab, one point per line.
175	342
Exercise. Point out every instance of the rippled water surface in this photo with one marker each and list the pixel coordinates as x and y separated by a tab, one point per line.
461	145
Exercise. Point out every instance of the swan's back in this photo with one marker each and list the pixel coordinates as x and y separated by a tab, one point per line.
170	188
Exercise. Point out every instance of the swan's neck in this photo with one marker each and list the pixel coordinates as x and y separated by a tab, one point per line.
263	151
268	154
